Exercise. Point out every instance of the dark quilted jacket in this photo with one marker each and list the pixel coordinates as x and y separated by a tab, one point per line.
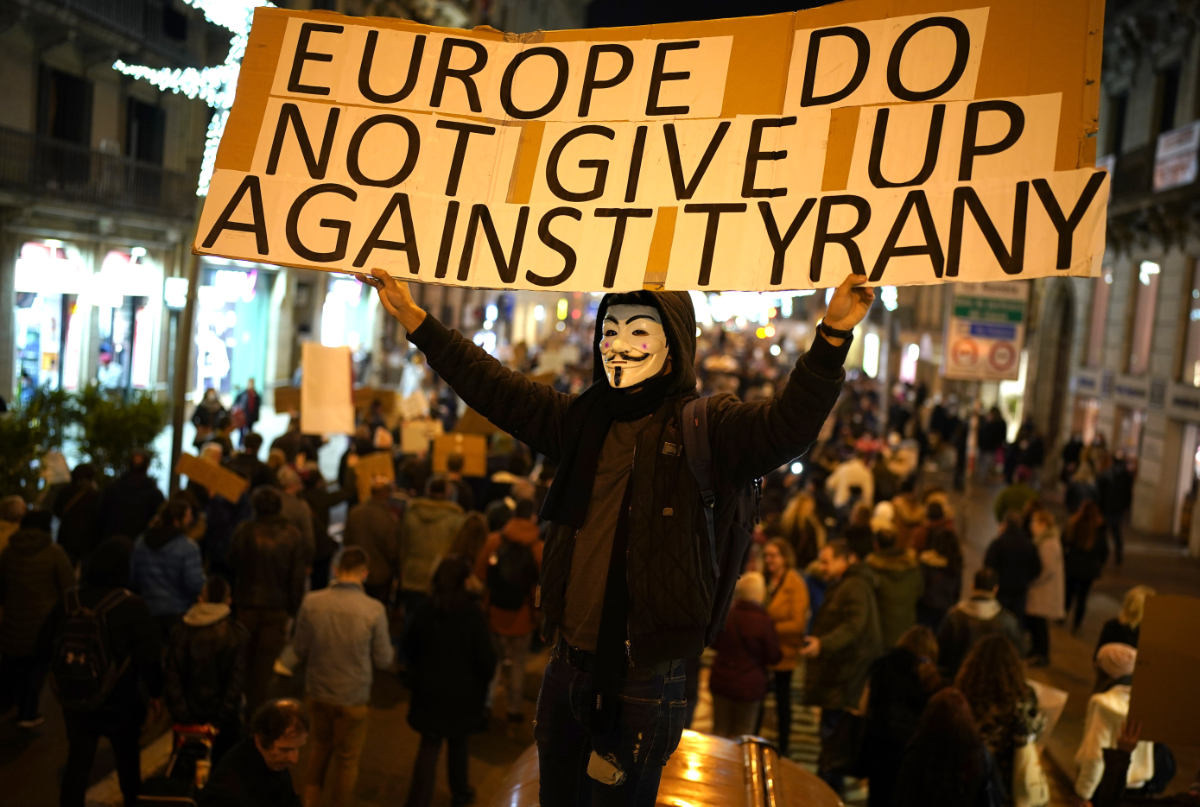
671	579
206	667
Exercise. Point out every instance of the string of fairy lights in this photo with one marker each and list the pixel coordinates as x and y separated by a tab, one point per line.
213	85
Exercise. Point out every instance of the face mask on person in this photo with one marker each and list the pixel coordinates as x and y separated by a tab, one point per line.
633	344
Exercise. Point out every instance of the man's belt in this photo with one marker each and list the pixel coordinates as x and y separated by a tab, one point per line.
585	661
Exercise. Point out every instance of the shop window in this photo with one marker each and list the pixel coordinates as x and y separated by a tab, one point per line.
1146	288
1190	372
1101	290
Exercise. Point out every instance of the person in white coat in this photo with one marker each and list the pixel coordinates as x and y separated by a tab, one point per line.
1047	594
1106	711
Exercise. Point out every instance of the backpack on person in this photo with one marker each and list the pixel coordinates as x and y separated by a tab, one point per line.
512	574
727	552
83	670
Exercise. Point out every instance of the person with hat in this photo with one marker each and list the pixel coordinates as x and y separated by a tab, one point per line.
626	596
1106	711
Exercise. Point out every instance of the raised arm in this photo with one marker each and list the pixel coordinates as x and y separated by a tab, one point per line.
758	437
531	412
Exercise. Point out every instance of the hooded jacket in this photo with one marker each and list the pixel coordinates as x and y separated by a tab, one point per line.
268	560
899	585
968	622
1017	565
166	570
429	529
848	628
128	504
671	580
745	650
519	531
206	667
35	573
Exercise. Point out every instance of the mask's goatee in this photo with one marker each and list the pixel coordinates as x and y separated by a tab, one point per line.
617	376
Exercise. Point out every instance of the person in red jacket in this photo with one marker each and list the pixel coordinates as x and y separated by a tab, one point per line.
508	564
748	646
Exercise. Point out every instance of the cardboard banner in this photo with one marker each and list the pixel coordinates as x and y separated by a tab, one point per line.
1164	680
986	331
326	403
416	435
370	466
218	480
287	399
900	139
473	448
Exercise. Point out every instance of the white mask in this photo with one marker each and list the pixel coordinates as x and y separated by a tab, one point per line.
633	344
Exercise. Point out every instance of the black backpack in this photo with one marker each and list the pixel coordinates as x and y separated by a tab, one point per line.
512	574
727	552
83	671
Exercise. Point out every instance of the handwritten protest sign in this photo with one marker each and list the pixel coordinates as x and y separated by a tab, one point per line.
368	468
907	140
218	480
326	402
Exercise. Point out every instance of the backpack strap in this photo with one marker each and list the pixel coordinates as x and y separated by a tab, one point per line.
73	605
110	601
698	450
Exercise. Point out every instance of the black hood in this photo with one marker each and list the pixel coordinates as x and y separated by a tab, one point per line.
679	323
108	565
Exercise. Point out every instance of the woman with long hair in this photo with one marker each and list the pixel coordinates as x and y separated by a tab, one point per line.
1005	707
786	602
451	662
1046	593
947	764
900	685
1125	627
803	529
1085	553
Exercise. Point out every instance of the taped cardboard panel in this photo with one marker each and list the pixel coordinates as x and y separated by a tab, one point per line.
839	151
1163	696
472	447
660	246
368	468
253	88
526	165
218	480
758	66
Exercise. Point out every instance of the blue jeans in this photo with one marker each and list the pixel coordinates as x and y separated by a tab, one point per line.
830	720
650	723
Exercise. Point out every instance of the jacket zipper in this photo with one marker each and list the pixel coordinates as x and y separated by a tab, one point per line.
629	514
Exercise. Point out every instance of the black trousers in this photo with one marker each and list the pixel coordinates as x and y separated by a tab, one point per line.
84	729
420	792
21	682
781	685
1039	634
1078	589
268	635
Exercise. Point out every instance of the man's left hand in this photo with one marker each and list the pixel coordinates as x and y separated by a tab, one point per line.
850	303
811	648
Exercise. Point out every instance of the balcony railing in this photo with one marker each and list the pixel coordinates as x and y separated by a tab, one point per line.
53	169
139	20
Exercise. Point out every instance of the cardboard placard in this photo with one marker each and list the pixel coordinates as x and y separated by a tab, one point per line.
218	480
913	141
1164	681
370	466
414	405
326	404
287	399
416	435
472	446
363	397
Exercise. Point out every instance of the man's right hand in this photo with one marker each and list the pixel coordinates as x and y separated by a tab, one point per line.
395	298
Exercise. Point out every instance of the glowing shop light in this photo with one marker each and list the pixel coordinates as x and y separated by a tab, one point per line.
563	307
539	312
870	360
797	468
775	350
890	297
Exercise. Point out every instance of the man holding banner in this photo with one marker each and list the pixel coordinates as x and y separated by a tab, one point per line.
629	587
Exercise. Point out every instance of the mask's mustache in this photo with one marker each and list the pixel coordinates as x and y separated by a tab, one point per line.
626	357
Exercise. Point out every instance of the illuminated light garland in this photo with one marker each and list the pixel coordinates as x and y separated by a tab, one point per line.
214	86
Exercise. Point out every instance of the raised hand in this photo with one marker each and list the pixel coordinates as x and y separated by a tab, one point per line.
395	298
850	303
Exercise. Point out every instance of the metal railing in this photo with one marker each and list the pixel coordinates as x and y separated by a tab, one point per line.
45	167
140	20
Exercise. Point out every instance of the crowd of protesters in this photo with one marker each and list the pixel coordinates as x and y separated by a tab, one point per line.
852	594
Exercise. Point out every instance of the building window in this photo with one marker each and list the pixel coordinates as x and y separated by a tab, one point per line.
1168	97
1100	294
1190	373
1146	288
64	106
145	131
1117	106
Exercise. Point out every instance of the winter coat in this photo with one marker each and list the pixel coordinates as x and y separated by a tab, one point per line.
166	570
968	622
788	609
848	628
128	504
35	573
374	527
1048	593
943	580
430	527
1117	632
205	667
78	512
853	473
910	516
672	587
295	511
894	705
1106	712
521	531
242	779
451	662
1013	497
267	557
1017	564
899	584
744	650
1085	564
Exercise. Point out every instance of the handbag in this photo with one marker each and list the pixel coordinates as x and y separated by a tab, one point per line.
1030	788
842	754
